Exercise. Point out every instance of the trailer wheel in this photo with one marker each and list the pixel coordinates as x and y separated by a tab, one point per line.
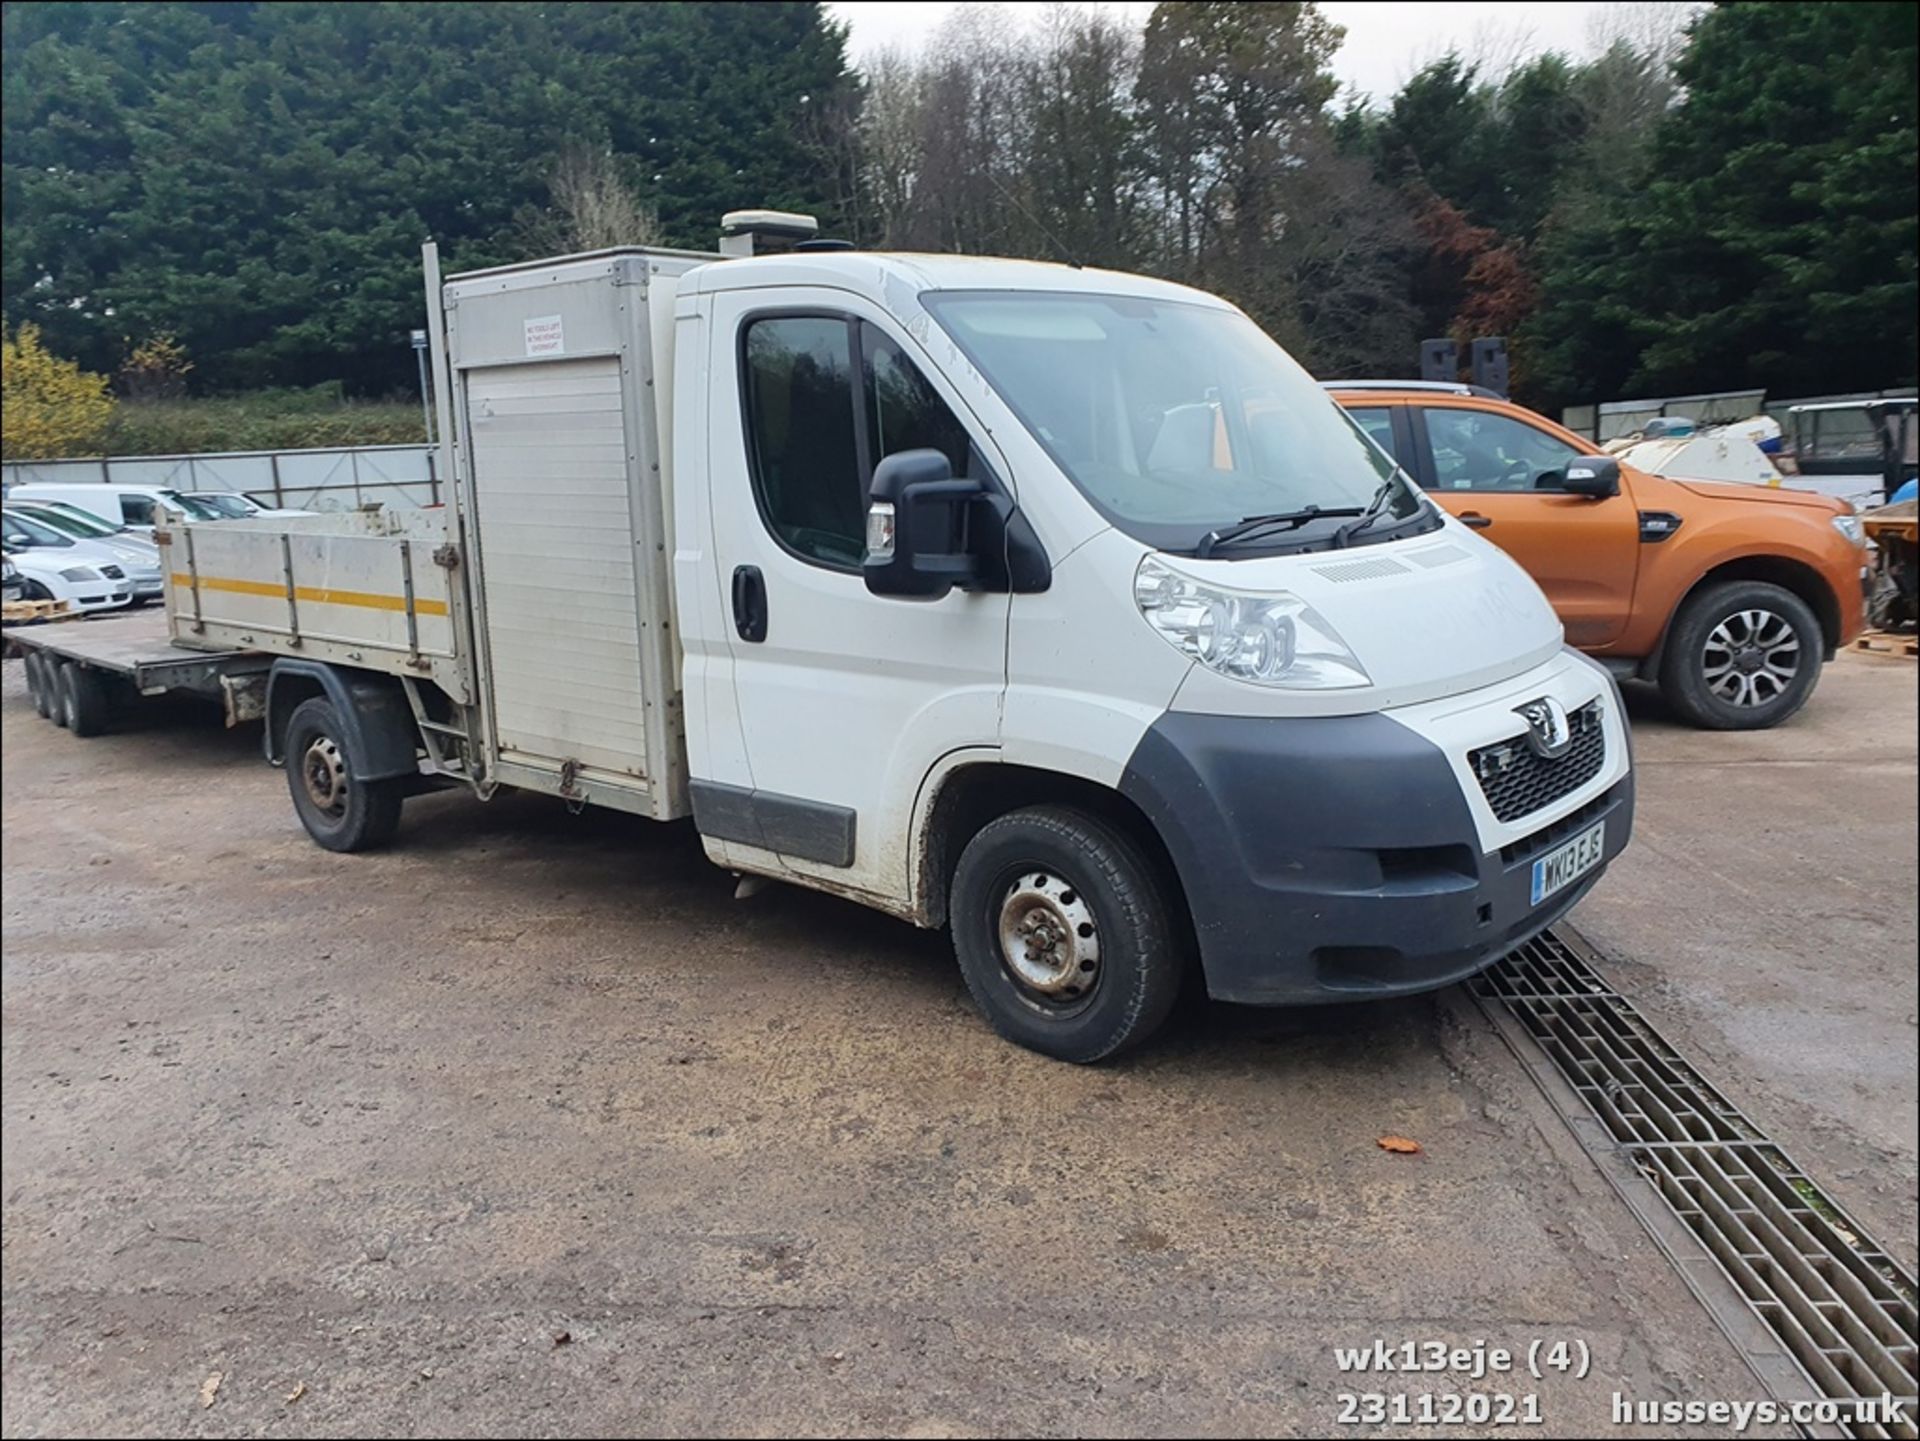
1064	934
40	684
339	812
54	683
84	700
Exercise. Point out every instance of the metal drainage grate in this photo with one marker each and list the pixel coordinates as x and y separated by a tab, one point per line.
1841	1307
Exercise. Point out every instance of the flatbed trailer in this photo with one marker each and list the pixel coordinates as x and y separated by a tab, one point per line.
79	673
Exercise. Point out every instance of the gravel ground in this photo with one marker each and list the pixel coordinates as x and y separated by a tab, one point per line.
529	1127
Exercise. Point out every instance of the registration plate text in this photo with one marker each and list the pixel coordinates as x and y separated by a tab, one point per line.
1565	864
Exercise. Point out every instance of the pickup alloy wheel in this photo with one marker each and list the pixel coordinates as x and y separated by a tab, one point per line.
1743	655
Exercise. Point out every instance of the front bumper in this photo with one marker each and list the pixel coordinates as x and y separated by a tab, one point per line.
1330	859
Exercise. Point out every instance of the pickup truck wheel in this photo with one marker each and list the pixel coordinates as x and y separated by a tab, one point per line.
1743	655
1064	934
339	812
40	684
84	695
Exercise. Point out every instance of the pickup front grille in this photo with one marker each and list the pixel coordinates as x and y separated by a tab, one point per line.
1517	780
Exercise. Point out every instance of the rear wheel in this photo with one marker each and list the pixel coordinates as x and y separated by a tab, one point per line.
53	680
1743	655
339	812
1064	934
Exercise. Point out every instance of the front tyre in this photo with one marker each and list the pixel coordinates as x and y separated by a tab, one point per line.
1065	934
40	683
339	812
1742	655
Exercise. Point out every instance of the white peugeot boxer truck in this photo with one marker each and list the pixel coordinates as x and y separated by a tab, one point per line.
1054	606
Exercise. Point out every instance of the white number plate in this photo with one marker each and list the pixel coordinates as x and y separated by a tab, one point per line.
1563	865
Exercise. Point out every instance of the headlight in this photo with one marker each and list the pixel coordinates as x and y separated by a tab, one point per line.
79	573
1849	526
1267	638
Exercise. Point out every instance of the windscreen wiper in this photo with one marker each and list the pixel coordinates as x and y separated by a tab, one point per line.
1376	508
1257	524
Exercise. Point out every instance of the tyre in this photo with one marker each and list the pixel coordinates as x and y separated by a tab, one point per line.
53	677
85	699
1742	655
33	590
40	683
339	812
1065	934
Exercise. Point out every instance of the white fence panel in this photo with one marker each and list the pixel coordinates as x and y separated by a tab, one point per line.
332	478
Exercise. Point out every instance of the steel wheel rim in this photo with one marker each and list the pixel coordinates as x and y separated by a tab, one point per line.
1049	939
1751	658
323	770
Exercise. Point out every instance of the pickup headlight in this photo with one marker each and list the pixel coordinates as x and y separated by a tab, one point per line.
1849	526
79	573
1265	637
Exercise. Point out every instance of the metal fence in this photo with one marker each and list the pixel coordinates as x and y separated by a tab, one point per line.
335	478
1612	419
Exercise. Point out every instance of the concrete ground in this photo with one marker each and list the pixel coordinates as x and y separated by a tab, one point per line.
528	1126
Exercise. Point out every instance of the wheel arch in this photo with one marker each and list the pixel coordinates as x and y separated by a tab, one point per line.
1795	576
972	790
381	734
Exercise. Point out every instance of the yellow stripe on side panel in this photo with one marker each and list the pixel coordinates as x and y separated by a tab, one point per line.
318	595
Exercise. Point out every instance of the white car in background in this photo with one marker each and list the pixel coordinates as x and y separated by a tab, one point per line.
232	505
61	568
138	506
136	554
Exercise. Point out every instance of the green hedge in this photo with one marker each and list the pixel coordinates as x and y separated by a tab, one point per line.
261	420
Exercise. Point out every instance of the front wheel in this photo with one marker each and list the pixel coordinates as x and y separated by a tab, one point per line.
40	683
1743	655
339	812
1065	934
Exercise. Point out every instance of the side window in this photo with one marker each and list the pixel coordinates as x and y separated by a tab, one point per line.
800	436
813	439
904	412
1477	450
1377	422
136	509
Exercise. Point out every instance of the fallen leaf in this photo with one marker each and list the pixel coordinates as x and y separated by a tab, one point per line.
1399	1145
299	1390
209	1389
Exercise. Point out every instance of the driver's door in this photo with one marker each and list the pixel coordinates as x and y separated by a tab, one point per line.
844	699
1499	474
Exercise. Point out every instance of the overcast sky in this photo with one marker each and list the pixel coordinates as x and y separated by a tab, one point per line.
1386	42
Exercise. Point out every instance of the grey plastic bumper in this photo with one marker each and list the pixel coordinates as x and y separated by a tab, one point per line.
1335	859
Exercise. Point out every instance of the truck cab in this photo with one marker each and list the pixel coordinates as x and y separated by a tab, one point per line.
1056	607
1000	581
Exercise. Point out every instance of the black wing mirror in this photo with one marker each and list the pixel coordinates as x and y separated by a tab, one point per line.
918	541
1594	476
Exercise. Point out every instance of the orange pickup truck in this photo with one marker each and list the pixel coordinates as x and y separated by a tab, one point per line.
1730	596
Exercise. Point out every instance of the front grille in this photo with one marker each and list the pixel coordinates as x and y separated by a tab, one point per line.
1517	780
113	572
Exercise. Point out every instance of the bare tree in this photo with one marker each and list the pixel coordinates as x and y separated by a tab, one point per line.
592	206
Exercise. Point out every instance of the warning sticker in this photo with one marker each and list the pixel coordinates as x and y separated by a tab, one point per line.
545	336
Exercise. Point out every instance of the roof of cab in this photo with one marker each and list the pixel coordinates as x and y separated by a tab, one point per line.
880	270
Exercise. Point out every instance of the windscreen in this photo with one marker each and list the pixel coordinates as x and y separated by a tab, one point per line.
1174	419
22	530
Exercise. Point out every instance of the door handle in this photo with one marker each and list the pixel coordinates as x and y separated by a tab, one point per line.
749	603
1475	519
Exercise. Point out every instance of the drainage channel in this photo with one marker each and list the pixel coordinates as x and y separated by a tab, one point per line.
1817	1309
